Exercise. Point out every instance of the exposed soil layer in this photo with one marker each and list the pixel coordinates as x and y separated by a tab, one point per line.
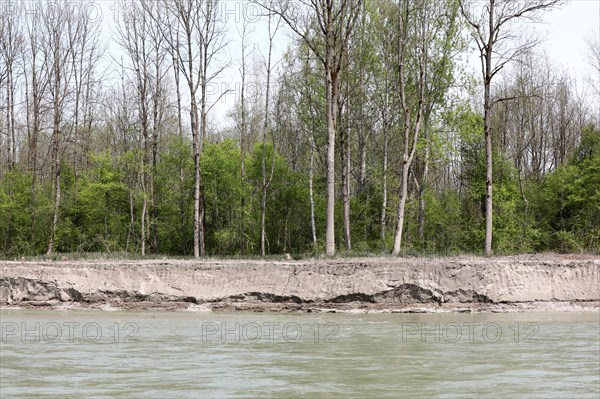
522	283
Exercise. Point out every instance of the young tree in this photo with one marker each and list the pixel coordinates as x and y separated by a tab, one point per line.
494	31
176	66
303	90
426	34
134	38
345	159
243	123
382	21
266	181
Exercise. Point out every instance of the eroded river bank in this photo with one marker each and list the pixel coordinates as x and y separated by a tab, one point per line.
546	282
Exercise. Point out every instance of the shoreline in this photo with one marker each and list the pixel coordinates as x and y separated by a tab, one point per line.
357	308
535	283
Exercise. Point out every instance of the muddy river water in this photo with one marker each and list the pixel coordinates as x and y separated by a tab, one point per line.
233	355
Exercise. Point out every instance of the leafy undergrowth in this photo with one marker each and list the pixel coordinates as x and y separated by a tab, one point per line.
99	256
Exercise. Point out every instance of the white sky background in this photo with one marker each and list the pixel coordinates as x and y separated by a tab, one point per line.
566	31
563	31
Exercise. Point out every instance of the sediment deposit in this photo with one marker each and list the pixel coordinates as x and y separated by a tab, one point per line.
520	283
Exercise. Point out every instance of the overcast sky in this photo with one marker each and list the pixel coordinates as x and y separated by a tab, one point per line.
563	31
566	29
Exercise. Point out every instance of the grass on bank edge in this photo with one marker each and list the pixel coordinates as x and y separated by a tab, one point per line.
341	254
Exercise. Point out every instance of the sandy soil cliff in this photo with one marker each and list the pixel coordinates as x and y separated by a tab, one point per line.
547	282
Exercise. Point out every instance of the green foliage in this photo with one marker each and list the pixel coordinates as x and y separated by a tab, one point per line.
561	213
444	222
223	191
175	191
288	208
94	212
21	217
567	205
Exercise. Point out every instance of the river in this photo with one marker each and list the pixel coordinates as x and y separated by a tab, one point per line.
234	355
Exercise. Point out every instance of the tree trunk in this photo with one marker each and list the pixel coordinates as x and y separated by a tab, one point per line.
131	220
310	192
203	127
263	208
331	99
423	186
57	97
156	122
400	210
384	190
487	108
77	75
409	150
55	211
363	138
242	141
10	117
266	181
32	115
144	214
56	173
196	152
182	217
195	143
346	172
488	175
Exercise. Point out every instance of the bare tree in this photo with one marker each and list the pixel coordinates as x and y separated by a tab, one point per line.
121	119
345	158
266	181
309	123
325	26
494	31
11	42
58	47
134	38
36	82
172	44
540	126
593	42
243	128
195	37
158	108
85	55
